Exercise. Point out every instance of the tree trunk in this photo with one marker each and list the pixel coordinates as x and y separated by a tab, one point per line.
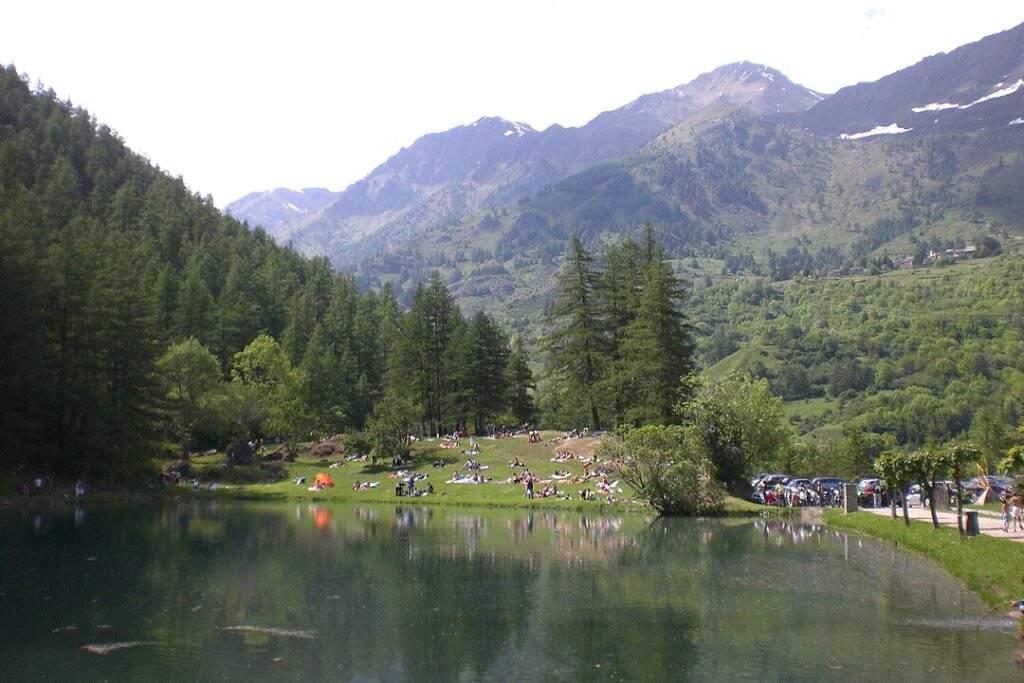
959	510
931	504
906	505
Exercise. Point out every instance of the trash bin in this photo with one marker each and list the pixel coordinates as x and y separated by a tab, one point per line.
972	523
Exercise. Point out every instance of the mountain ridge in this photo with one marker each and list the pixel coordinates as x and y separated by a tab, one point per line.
445	176
954	83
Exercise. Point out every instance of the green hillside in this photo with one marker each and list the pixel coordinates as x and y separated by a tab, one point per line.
916	356
760	198
136	319
757	216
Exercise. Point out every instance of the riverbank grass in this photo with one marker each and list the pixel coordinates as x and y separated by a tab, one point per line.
991	567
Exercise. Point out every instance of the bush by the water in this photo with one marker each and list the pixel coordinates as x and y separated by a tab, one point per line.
667	467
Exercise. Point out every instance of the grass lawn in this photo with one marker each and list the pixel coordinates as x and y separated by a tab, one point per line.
243	482
494	455
991	567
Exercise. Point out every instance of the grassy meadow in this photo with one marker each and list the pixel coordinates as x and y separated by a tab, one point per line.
250	482
494	456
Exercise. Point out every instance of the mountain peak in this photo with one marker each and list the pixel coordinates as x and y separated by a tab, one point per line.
758	87
516	128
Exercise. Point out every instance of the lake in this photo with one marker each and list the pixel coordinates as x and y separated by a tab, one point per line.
296	592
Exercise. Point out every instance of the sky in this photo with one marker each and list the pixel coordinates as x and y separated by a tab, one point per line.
237	97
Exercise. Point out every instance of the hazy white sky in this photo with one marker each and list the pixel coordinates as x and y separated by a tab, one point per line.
243	96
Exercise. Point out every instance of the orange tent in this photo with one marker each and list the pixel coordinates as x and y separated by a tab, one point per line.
323	480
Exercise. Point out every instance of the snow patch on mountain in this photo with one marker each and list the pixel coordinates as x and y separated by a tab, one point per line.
935	106
518	129
999	93
891	129
1003	92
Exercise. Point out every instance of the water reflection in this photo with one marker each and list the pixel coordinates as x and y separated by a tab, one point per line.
420	593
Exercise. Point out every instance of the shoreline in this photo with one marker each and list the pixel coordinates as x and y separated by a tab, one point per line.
992	568
984	564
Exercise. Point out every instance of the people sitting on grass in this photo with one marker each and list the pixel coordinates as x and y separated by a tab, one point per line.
475	478
515	463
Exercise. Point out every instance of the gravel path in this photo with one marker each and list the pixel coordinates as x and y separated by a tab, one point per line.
989	523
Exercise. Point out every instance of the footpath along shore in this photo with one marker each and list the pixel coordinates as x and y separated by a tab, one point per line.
989	523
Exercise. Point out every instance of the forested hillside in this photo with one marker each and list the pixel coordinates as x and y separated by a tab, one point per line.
127	303
912	357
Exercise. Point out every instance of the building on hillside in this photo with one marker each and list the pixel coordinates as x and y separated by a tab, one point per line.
904	263
954	254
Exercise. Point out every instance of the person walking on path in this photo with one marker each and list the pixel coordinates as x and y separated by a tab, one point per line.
1006	515
1015	511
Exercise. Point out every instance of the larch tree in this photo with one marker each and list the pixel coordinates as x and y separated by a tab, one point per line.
657	346
574	347
520	382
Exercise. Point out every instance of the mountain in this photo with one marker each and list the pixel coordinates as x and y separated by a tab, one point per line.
762	192
976	86
444	177
277	209
743	193
739	167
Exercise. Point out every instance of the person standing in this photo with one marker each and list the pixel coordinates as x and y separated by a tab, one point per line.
1015	511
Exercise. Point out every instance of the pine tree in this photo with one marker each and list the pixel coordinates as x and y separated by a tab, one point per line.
574	347
482	371
23	380
520	382
618	290
195	312
657	347
330	382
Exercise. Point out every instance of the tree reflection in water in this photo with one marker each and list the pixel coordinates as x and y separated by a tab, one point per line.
411	593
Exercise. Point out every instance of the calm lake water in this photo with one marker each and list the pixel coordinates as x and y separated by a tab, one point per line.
208	591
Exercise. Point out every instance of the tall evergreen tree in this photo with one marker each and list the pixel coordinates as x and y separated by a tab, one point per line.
520	382
23	379
618	298
657	347
195	311
574	346
482	371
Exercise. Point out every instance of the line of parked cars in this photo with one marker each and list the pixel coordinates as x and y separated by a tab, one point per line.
790	491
